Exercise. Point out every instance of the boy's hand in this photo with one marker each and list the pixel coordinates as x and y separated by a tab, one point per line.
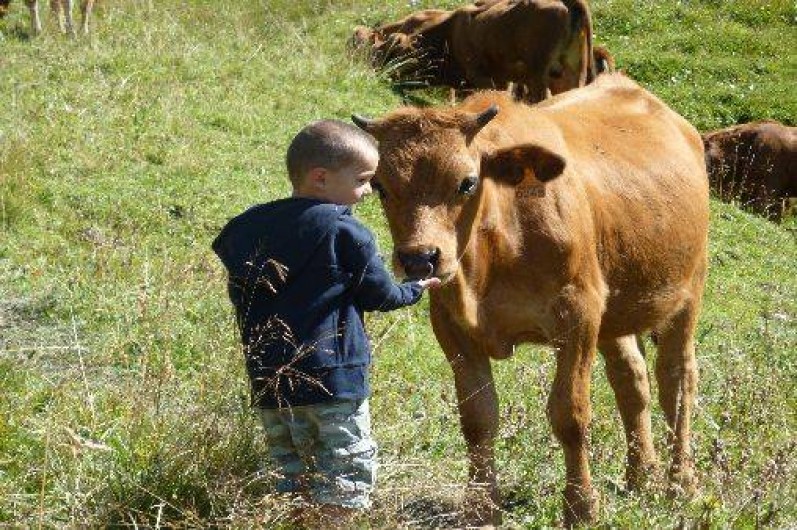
430	283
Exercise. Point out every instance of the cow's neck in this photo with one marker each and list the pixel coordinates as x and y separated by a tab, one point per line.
489	240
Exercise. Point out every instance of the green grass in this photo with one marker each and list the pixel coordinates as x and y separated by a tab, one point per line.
122	391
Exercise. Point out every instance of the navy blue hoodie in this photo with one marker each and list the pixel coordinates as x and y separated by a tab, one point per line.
301	274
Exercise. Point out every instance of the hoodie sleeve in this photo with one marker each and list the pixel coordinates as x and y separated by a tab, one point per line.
373	287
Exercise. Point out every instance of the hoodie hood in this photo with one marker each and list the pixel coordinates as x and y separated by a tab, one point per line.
274	242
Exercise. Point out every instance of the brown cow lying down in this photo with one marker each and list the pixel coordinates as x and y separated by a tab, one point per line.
408	28
539	45
755	164
62	10
581	223
404	30
396	45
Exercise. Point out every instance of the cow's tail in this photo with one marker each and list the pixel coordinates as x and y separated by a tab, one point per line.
581	25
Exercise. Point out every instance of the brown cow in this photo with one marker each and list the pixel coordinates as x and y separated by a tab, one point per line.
755	164
397	45
580	222
63	13
406	27
540	46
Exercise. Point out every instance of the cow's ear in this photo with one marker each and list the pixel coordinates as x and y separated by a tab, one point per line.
522	163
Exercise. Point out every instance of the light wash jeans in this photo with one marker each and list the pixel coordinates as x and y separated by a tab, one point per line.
325	450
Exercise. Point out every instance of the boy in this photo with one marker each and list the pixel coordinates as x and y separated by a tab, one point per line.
302	270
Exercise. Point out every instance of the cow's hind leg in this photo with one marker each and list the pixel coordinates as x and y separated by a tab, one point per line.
676	374
628	376
69	24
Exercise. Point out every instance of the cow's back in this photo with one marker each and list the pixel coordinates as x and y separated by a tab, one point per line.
634	192
419	22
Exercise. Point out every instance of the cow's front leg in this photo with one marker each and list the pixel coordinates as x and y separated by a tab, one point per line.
478	412
533	89
569	407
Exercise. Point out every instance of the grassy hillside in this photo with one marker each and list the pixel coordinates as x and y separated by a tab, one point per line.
122	391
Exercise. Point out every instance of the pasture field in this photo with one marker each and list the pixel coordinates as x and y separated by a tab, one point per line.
122	390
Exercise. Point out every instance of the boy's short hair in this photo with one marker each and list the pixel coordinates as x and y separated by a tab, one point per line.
331	144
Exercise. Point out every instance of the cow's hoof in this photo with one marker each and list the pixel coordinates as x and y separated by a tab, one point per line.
481	510
683	481
644	477
581	507
481	516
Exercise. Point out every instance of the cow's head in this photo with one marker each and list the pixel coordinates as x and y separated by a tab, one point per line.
431	178
362	37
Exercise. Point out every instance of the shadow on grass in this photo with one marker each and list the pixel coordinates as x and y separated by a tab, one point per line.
427	512
16	32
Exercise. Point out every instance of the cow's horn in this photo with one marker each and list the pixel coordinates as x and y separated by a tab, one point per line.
484	117
366	124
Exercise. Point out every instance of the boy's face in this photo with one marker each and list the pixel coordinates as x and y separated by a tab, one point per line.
351	183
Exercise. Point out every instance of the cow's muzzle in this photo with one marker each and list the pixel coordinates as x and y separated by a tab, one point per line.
419	262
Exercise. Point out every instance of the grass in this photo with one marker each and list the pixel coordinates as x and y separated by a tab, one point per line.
122	391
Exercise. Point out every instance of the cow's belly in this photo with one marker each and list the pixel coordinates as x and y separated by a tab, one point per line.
629	313
508	317
509	314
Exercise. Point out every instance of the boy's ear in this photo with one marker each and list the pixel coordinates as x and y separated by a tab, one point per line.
521	163
316	177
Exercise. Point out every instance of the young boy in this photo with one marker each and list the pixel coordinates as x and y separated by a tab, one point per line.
302	270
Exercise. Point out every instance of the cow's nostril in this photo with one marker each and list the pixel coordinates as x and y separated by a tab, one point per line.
404	258
433	256
419	263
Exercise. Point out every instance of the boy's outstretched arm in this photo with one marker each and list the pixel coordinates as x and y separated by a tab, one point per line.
374	287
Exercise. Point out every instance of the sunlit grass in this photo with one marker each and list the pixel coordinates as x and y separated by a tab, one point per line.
122	392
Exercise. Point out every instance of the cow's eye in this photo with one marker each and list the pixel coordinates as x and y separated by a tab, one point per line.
468	185
379	190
